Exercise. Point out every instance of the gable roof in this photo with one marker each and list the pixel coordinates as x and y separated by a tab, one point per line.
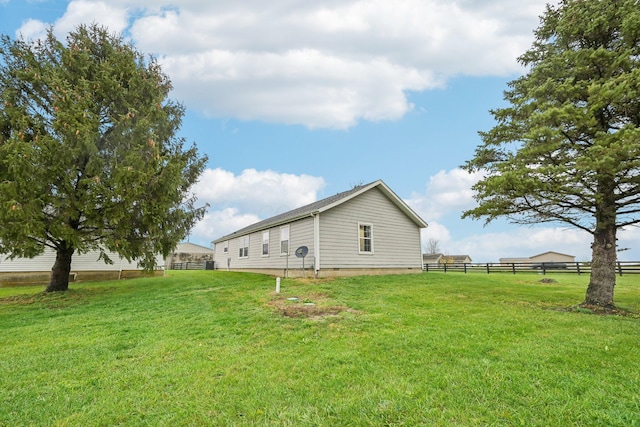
428	258
431	257
551	252
459	258
324	205
530	258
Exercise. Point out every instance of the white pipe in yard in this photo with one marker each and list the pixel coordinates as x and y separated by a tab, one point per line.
277	285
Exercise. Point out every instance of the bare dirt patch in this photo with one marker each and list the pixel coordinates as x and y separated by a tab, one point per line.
312	306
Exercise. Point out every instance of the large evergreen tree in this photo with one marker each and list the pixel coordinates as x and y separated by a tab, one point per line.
567	148
89	155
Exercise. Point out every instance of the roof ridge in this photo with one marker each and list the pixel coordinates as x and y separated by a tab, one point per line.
300	211
325	204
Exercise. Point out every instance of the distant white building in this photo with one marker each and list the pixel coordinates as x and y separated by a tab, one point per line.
188	252
84	267
439	258
549	256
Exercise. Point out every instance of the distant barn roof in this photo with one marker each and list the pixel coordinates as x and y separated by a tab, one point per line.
192	248
428	258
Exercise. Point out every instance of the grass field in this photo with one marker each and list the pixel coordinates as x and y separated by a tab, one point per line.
222	349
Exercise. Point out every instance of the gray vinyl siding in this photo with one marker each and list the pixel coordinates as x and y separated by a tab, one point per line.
300	234
396	238
220	257
42	262
80	262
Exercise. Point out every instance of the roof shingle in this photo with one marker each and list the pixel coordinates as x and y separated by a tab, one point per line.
321	205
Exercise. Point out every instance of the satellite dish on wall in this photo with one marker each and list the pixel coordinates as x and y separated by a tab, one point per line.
302	251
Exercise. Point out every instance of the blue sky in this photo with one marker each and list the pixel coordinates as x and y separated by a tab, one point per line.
294	101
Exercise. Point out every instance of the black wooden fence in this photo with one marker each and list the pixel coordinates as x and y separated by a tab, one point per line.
200	265
622	267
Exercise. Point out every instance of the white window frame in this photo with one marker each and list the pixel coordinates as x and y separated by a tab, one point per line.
243	246
362	238
265	243
285	231
225	247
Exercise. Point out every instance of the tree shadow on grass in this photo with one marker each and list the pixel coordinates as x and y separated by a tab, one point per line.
54	300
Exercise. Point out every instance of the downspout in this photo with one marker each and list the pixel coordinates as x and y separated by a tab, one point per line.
316	243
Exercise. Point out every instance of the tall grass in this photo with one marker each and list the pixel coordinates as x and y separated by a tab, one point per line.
222	349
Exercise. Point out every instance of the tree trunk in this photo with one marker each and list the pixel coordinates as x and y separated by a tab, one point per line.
603	268
60	271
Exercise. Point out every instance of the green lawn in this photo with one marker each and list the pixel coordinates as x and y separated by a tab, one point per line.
222	349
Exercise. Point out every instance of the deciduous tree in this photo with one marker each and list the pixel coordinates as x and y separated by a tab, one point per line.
432	246
90	158
567	147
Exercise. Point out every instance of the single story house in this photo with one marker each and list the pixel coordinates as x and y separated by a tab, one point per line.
547	257
438	258
188	252
365	230
84	267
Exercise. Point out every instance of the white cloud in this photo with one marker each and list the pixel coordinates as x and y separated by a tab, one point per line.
320	64
114	17
628	239
524	242
438	232
521	241
240	200
265	193
32	29
297	86
87	12
219	223
447	193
